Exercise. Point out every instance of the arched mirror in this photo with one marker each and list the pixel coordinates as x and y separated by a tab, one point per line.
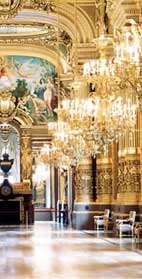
10	144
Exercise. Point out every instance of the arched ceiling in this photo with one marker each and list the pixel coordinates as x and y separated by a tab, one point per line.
29	29
38	33
76	17
55	34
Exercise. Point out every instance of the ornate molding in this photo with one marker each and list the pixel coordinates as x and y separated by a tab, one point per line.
45	5
120	12
49	37
116	13
45	34
48	43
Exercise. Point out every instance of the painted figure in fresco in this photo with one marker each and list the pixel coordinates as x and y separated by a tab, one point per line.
4	80
49	94
37	97
40	89
25	69
35	72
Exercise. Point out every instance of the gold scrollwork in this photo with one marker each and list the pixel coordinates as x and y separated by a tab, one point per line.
104	180
46	5
129	176
84	181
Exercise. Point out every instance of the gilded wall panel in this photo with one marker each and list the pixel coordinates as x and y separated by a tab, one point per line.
104	179
129	175
84	187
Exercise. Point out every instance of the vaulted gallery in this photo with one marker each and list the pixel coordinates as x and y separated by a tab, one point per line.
70	137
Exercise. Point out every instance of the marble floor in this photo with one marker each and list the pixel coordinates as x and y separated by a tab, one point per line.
49	251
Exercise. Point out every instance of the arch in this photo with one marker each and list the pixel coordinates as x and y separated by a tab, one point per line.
66	20
37	51
10	144
80	26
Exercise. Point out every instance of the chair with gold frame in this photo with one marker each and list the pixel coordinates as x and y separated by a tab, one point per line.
100	221
138	231
126	225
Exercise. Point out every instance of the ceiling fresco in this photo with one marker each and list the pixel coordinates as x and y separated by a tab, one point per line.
35	79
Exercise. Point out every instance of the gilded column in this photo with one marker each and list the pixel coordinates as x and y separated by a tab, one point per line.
104	179
140	137
26	174
84	195
63	195
129	169
114	171
84	182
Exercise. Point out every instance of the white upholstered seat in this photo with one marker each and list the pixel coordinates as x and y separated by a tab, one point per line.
126	225
99	221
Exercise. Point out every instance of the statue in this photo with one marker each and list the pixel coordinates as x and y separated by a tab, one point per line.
99	17
9	8
109	6
26	158
6	4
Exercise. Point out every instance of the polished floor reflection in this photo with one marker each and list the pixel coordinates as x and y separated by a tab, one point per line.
48	251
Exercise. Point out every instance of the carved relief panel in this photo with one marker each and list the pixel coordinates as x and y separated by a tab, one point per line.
104	179
129	175
84	182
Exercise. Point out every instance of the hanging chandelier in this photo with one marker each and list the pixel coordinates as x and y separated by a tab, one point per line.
99	120
113	76
86	126
68	144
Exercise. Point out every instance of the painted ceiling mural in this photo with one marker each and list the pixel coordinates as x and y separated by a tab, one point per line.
35	79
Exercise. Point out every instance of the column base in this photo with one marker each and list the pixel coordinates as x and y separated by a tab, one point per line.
82	216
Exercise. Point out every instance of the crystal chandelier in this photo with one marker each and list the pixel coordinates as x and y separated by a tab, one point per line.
69	145
113	95
86	126
103	66
97	121
118	61
47	154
